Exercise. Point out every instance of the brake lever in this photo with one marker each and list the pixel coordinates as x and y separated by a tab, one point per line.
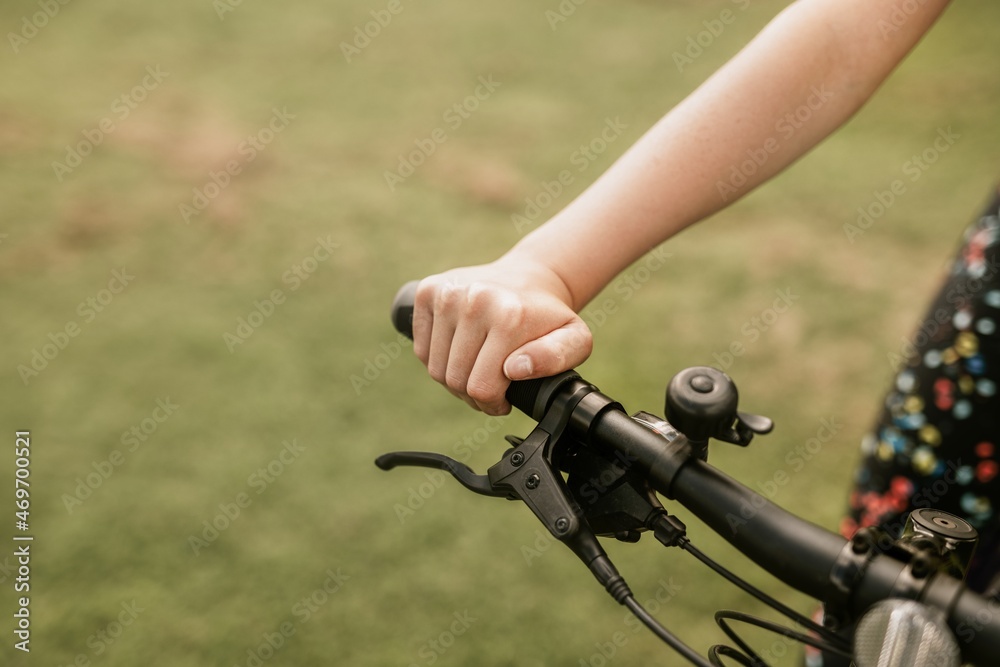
465	475
529	472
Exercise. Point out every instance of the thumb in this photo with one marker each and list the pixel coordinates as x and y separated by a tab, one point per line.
551	354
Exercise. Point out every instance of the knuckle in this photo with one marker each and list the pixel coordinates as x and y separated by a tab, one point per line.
510	314
482	392
504	308
448	295
424	296
480	293
481	298
456	380
437	372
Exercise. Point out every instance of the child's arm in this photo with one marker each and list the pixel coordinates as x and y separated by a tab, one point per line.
473	325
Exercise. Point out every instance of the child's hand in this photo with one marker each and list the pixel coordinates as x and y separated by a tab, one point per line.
478	328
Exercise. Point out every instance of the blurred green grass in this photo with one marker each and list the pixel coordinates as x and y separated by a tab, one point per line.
330	509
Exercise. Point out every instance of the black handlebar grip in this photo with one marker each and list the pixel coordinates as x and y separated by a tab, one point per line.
522	394
402	308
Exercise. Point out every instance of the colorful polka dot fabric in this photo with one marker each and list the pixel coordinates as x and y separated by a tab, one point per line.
937	441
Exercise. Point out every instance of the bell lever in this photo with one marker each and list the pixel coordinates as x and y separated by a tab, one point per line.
747	425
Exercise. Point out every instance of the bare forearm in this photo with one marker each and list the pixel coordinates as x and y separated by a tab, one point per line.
803	77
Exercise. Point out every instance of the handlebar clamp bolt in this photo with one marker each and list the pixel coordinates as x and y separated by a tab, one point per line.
517	458
533	481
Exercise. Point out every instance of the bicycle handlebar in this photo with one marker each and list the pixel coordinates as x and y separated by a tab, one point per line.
795	551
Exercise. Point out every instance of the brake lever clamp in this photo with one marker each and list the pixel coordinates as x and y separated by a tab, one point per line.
528	473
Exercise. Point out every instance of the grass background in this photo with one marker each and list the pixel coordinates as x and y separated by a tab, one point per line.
330	508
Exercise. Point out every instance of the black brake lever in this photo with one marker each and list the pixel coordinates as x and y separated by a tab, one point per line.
465	475
529	472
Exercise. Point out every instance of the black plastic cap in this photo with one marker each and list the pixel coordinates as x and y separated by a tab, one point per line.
402	308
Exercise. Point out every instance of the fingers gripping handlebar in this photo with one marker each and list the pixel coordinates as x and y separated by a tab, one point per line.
522	394
799	553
